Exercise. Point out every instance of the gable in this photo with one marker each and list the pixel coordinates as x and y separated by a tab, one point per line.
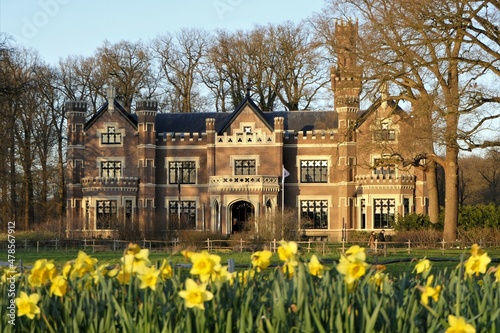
246	114
118	115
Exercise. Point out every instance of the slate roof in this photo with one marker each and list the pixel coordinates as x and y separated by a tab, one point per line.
293	120
117	107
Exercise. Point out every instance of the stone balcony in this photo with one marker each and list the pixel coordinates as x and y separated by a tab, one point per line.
109	184
385	180
244	183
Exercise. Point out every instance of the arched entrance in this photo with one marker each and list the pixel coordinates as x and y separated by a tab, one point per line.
241	213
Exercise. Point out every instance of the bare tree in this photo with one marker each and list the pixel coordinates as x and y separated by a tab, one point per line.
179	58
128	66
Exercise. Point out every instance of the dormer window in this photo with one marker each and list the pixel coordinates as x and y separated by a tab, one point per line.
111	136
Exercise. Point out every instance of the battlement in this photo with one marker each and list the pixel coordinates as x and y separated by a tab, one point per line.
309	135
181	137
146	105
76	106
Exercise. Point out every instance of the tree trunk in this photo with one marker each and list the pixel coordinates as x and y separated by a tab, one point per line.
433	192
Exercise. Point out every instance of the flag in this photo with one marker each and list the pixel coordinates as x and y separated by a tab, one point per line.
285	173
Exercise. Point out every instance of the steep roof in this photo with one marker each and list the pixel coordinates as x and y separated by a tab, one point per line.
293	120
132	119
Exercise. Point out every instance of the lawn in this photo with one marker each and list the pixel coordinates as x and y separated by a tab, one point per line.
397	260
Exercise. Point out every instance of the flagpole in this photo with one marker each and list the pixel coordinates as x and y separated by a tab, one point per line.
283	202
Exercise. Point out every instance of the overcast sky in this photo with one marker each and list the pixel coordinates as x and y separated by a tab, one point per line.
59	28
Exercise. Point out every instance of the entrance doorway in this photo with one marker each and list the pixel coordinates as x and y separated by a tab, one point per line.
241	213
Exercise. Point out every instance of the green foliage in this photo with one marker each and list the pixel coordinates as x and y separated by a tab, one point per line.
414	222
479	216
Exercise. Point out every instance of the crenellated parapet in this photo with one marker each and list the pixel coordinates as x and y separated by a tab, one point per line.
385	181
309	135
181	137
90	184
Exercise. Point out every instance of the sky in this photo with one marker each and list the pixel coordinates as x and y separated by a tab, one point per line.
60	28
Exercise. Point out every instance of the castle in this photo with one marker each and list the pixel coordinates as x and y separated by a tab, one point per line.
157	173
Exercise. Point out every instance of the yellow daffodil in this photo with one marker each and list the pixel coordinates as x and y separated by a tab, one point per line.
497	274
204	264
422	266
477	262
135	259
356	253
83	264
459	325
221	274
187	254
26	305
59	286
124	276
166	271
353	265
261	259
352	270
150	278
315	267
246	275
429	292
378	280
195	294
289	267
287	251
42	272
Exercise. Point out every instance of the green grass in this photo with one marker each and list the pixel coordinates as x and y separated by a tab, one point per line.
397	261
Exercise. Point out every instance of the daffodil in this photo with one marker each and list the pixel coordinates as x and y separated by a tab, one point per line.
83	264
26	305
124	276
187	254
195	294
289	267
246	275
204	265
497	274
356	253
459	325
429	292
315	267
422	266
166	270
221	274
42	272
477	262
352	266
261	259
287	251
58	286
135	259
150	278
378	280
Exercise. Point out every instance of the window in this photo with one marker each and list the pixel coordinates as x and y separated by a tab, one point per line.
128	210
384	133
314	171
111	169
383	213
363	214
111	137
182	214
182	172
106	214
384	167
314	214
244	167
247	129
